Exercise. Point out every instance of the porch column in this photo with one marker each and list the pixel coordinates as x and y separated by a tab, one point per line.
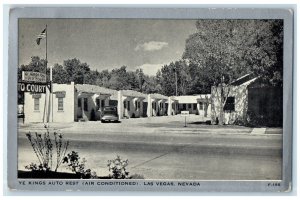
149	106
141	107
120	105
170	106
198	107
82	109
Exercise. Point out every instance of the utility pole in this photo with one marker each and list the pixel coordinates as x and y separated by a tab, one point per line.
176	83
221	121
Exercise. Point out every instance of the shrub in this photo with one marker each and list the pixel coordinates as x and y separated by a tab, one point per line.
255	120
118	168
43	148
61	149
78	166
35	167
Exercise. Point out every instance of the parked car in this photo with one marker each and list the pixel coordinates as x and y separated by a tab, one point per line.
110	113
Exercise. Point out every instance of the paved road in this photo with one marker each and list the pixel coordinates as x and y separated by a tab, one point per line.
162	148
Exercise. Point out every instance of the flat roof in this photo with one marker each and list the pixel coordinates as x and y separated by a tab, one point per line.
95	89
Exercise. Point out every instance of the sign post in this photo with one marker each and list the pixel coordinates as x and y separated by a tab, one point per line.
185	114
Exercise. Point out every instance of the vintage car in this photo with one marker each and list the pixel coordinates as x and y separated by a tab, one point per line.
110	113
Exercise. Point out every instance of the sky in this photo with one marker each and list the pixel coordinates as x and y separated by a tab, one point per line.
106	43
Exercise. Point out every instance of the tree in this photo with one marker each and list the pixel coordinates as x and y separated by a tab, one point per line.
224	50
232	48
167	80
60	75
133	81
151	86
77	71
36	65
141	79
103	79
91	77
119	79
175	79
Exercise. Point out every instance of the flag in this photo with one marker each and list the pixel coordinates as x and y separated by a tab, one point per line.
41	36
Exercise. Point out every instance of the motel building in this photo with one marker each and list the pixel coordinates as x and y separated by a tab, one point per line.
157	105
195	104
84	102
248	100
131	104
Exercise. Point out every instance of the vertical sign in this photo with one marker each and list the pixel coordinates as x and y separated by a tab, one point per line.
185	114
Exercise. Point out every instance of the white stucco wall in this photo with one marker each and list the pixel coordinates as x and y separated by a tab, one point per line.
240	93
67	114
30	114
48	106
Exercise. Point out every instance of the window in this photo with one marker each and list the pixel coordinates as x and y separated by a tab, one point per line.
194	106
128	105
201	105
190	106
36	104
97	104
137	105
85	104
124	103
79	102
60	103
102	103
184	106
229	105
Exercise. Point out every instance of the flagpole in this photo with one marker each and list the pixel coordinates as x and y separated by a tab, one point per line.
51	90
51	84
46	47
49	102
45	115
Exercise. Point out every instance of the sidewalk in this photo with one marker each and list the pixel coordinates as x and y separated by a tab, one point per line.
153	125
258	131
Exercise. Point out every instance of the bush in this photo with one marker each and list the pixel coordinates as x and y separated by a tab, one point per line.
43	148
78	166
255	120
34	167
118	168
